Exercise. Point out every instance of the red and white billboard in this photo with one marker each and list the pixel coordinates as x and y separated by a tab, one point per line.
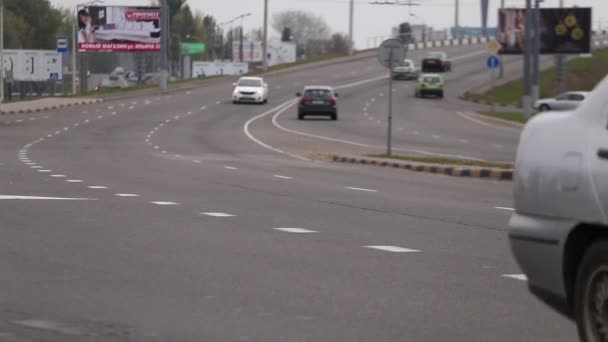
118	28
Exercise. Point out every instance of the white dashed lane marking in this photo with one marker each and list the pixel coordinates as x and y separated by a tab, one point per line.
230	168
196	161
164	203
504	208
58	176
97	187
521	277
74	181
282	177
127	195
296	230
45	171
360	189
218	214
394	249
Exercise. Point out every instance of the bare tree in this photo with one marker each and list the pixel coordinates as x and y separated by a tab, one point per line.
304	26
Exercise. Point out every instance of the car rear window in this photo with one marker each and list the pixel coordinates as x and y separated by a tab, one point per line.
318	93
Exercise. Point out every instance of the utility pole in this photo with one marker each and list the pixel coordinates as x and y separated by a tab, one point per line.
2	51
484	17
560	67
536	50
164	45
527	98
457	19
265	38
501	70
74	51
351	41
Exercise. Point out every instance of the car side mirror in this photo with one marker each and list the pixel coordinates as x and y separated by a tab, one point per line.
298	94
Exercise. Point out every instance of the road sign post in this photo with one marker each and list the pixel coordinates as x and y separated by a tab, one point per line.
390	53
492	63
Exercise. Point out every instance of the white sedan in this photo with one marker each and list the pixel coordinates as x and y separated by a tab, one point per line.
559	230
565	101
250	90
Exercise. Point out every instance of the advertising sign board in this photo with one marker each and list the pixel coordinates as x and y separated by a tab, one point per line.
33	65
205	69
278	52
562	30
118	28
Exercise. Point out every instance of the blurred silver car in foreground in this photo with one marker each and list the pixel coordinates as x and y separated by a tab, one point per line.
559	229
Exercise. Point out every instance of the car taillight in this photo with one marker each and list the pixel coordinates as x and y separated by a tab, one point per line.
303	100
331	101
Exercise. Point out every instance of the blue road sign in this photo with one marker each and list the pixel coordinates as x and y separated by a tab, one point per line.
54	76
493	62
62	44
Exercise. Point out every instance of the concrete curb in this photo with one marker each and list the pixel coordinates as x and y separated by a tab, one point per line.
447	170
53	107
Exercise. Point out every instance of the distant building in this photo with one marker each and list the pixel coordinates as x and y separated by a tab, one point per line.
459	32
422	33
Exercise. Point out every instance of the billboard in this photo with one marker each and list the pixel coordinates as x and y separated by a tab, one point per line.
562	30
118	28
33	65
278	52
204	69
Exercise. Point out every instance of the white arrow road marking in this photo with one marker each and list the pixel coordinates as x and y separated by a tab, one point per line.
12	197
516	276
296	230
218	214
393	249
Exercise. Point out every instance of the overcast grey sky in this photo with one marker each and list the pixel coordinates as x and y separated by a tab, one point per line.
370	20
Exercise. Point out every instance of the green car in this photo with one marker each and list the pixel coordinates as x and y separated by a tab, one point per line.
430	84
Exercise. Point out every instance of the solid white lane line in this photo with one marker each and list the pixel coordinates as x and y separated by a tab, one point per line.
394	249
521	277
296	230
12	197
218	214
282	177
164	203
126	195
230	168
97	187
360	189
74	181
504	208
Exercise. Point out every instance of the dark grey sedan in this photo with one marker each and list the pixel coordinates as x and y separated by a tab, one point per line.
318	100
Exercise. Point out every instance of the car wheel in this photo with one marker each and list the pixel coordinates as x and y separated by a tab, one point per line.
544	108
235	102
591	294
417	94
440	95
334	117
300	116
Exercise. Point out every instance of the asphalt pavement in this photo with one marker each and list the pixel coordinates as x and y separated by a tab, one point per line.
182	217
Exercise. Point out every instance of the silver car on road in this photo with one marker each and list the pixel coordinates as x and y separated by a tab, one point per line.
559	229
566	101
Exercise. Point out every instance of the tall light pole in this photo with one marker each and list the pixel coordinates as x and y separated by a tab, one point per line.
164	45
230	22
265	38
1	51
75	42
527	98
351	41
501	70
536	50
560	66
457	18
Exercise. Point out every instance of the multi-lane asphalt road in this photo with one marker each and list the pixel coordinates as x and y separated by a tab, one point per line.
182	217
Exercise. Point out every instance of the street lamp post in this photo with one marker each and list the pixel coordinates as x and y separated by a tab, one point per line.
230	22
75	42
265	38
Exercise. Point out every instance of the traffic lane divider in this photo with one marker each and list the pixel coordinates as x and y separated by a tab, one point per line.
52	107
447	170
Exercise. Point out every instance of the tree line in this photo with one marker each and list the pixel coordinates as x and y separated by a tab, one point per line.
35	24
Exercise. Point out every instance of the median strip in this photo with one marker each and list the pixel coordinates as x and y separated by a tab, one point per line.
443	166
